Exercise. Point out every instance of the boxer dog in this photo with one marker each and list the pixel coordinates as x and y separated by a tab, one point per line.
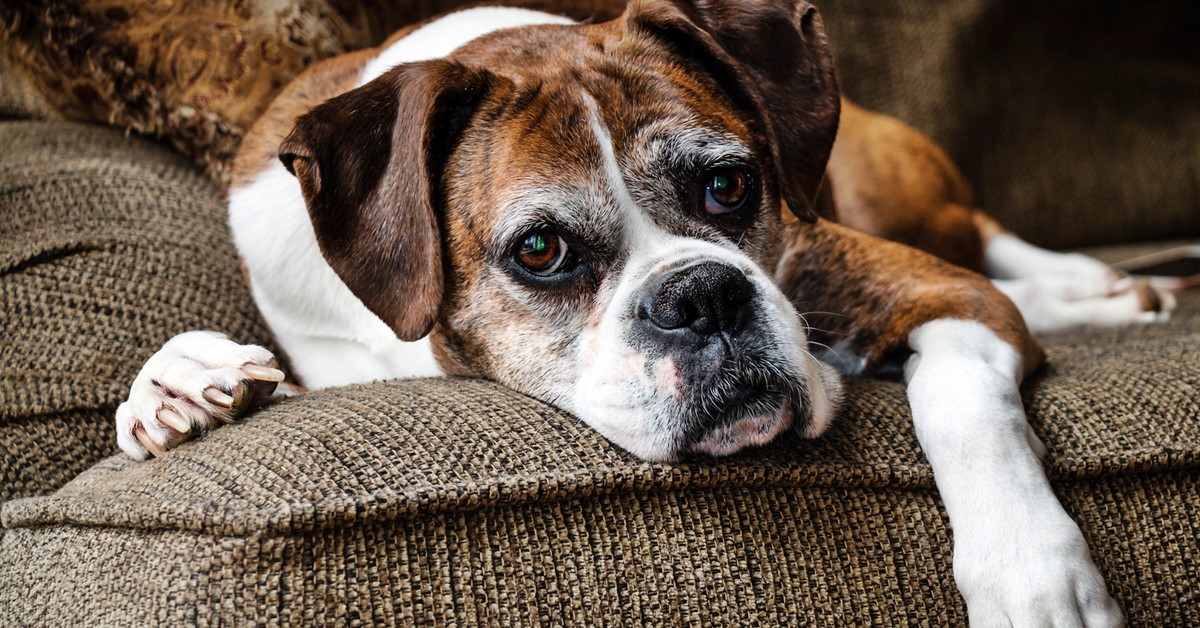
647	223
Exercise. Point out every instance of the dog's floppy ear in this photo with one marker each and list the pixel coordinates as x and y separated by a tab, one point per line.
771	57
369	162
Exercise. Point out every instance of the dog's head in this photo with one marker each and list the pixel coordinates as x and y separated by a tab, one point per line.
591	214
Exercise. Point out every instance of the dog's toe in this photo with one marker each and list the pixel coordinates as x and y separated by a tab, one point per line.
197	381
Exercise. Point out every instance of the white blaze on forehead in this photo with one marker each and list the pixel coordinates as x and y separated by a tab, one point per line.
644	240
638	226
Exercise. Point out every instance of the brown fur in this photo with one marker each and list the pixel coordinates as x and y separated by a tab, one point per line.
870	294
890	181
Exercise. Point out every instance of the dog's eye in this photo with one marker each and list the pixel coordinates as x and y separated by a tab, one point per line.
726	189
542	252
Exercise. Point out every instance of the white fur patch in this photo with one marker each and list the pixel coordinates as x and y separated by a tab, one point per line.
1053	303
443	36
1019	559
1010	257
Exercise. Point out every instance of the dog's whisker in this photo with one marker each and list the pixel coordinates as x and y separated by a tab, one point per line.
819	344
825	313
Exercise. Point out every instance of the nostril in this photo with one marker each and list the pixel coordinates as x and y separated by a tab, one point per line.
643	309
672	313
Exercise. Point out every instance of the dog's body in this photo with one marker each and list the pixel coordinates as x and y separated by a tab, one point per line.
597	215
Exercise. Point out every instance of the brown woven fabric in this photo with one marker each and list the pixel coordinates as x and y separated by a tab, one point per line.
461	501
454	501
108	247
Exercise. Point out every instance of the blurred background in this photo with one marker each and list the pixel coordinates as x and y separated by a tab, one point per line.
1078	123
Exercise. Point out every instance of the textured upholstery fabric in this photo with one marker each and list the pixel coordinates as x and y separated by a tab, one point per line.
108	247
456	501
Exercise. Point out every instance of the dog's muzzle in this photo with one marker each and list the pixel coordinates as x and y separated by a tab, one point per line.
703	316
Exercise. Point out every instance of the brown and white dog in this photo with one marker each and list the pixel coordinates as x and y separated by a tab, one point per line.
647	222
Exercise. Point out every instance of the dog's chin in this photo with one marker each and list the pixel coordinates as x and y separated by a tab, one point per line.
751	420
753	428
749	404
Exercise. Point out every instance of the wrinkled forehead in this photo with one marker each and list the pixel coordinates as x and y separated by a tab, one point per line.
592	184
593	121
624	70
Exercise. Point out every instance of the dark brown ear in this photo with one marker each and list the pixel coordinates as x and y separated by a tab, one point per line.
369	163
770	56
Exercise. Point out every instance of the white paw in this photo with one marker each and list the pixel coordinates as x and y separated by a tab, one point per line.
1032	573
1055	302
198	380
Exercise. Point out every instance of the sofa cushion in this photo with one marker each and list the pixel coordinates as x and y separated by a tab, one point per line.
108	247
457	501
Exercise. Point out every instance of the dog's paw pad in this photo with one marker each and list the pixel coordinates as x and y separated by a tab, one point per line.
198	380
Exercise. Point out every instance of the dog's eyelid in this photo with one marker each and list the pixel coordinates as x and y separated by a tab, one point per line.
565	213
736	162
511	234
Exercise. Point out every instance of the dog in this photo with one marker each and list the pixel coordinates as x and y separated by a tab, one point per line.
626	219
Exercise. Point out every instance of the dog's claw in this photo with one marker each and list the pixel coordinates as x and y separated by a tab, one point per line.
154	448
218	397
197	381
263	373
174	420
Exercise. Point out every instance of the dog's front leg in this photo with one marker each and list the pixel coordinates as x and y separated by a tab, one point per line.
1019	559
873	305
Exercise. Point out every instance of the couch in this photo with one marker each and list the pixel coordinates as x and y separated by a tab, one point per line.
459	501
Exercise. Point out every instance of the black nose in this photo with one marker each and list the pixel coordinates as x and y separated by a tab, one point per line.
707	298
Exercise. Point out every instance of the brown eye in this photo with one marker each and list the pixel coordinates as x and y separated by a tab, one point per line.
542	252
726	189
